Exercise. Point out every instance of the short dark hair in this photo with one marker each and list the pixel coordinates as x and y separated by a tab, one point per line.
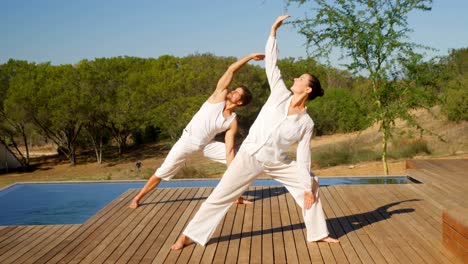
246	96
317	90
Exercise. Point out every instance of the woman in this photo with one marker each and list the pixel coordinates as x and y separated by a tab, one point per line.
282	122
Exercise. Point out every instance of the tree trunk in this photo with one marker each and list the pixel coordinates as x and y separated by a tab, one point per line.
385	134
25	139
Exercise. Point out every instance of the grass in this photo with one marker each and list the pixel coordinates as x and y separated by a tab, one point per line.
346	153
352	152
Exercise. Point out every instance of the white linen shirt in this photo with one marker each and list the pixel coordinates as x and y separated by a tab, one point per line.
274	132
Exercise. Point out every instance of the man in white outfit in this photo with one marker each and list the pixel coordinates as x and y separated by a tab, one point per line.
215	116
282	122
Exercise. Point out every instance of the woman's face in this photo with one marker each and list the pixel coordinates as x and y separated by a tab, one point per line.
301	84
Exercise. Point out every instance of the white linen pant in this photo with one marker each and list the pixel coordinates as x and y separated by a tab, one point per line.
242	172
184	147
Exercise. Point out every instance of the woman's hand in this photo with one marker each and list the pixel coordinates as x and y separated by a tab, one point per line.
309	199
278	23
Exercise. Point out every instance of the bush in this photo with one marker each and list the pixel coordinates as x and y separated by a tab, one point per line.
338	111
346	153
455	104
402	149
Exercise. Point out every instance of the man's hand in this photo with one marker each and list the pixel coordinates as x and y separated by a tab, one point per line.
258	56
309	199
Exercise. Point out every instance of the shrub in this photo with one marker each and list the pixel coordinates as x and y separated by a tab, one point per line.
346	153
338	111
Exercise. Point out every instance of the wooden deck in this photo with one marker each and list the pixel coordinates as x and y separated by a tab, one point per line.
375	224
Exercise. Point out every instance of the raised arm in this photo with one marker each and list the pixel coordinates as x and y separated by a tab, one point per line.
220	92
271	57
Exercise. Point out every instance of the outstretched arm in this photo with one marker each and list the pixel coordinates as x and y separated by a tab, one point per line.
220	92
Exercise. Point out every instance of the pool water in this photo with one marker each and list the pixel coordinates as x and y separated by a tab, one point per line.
74	203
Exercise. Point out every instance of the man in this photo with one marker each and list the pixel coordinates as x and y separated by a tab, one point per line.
215	116
282	122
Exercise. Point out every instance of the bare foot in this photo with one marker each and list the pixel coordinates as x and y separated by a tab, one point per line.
133	204
329	240
181	242
241	200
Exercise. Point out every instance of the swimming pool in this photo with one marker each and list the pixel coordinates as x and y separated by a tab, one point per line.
74	203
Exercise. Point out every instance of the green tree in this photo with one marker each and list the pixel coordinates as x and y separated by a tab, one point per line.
20	82
60	108
454	96
373	35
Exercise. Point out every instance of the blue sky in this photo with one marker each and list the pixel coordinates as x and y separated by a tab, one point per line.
67	31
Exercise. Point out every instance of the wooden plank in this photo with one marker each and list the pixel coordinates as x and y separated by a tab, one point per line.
346	222
236	234
411	246
377	249
21	236
140	247
429	222
193	254
223	242
288	236
24	245
33	244
255	250
187	207
137	247
90	241
298	226
10	231
312	247
276	225
207	252
424	229
58	252
149	208
50	243
6	231
267	235
247	226
388	247
112	236
172	216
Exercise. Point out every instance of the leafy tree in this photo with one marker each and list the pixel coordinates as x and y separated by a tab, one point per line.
20	83
373	36
455	95
60	108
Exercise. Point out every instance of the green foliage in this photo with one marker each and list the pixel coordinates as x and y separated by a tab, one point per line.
455	94
455	104
373	36
338	111
403	149
344	153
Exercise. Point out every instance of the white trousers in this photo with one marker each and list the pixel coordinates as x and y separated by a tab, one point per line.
242	172
184	147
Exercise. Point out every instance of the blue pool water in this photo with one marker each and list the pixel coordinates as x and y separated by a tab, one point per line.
74	203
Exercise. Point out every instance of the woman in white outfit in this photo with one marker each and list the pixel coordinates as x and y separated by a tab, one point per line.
282	122
215	116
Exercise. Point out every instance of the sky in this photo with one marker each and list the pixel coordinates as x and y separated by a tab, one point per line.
67	31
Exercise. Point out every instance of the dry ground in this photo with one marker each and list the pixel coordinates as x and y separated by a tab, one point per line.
51	168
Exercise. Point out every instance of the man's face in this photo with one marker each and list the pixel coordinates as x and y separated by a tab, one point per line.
236	95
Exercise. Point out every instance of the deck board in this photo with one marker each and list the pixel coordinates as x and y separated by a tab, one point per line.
375	223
